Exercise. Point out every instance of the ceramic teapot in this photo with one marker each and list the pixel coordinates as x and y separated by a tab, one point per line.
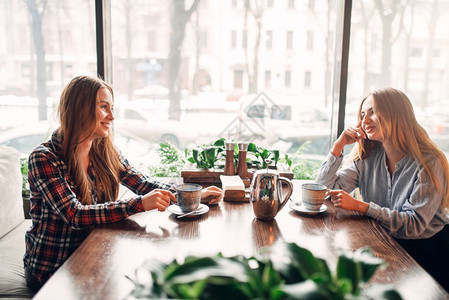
266	193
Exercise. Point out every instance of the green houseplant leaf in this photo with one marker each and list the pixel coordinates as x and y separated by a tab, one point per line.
304	276
306	262
210	155
385	292
357	267
304	290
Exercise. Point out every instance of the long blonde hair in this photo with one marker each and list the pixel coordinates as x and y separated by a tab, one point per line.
77	114
399	125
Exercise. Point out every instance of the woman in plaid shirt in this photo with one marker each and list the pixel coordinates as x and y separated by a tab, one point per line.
74	181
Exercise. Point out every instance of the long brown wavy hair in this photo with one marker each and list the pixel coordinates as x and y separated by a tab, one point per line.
398	124
77	113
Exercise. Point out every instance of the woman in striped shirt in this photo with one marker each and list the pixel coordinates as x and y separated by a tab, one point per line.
402	177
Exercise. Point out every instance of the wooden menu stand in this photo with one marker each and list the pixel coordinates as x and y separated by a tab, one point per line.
234	189
236	196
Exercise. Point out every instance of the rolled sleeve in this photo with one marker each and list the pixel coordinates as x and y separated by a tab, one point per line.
373	211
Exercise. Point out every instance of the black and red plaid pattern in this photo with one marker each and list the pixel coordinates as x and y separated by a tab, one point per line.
60	222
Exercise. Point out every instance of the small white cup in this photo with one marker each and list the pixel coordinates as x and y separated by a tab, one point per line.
313	195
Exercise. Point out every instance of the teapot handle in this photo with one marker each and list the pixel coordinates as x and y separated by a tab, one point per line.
289	193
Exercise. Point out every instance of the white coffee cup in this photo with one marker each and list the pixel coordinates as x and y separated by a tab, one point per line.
313	195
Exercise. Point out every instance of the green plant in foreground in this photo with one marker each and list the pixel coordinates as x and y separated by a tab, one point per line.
300	276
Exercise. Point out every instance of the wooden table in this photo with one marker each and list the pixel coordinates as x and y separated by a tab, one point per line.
98	268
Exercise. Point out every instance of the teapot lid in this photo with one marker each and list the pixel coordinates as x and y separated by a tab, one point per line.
266	171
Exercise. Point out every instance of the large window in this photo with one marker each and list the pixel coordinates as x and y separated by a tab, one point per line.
44	44
187	71
403	44
257	55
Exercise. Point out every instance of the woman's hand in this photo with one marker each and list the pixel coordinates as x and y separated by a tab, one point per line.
343	200
348	136
157	198
211	194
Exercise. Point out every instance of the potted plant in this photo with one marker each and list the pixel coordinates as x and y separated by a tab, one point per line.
298	275
207	156
207	161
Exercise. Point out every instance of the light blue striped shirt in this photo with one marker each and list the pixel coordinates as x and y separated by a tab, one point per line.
407	204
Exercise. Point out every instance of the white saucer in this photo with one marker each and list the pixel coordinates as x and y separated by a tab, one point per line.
176	210
301	209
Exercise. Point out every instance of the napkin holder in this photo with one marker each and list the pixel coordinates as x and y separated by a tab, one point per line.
234	189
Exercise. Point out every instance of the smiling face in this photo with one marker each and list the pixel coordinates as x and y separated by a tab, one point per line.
104	113
370	120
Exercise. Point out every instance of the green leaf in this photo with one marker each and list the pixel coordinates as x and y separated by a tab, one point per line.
304	260
305	290
300	276
210	268
369	262
191	291
344	286
276	155
382	292
325	274
195	153
265	153
220	142
288	161
252	147
210	154
270	277
358	267
349	269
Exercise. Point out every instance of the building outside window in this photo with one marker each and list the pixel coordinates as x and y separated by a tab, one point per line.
311	4
233	39
289	40
288	78
244	39
309	40
291	4
269	39
307	79
172	74
267	79
416	52
395	46
202	40
238	79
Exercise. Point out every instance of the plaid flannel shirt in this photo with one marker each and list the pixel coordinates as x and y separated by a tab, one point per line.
60	222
